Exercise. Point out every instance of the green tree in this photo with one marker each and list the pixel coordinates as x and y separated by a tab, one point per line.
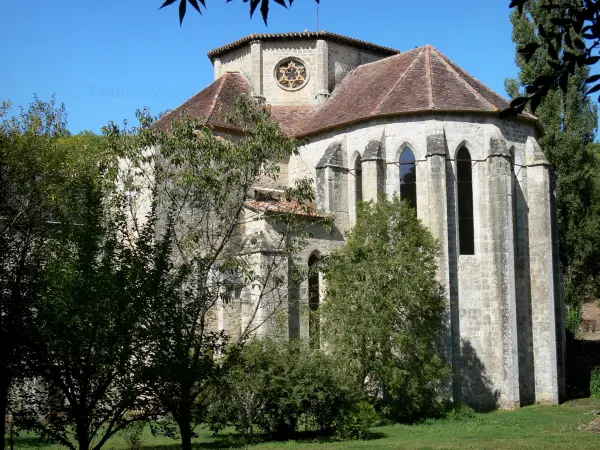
569	119
88	349
384	310
35	173
199	183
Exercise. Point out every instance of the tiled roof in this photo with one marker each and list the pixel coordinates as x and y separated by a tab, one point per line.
284	207
290	117
305	35
421	80
214	103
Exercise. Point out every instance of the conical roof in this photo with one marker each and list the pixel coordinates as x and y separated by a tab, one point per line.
421	80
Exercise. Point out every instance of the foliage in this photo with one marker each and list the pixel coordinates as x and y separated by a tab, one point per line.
37	166
569	121
536	426
264	6
595	383
89	349
198	184
280	387
356	422
460	411
132	435
569	37
384	311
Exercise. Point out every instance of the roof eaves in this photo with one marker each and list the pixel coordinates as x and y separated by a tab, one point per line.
305	134
387	51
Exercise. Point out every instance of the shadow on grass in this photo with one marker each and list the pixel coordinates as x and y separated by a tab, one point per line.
236	441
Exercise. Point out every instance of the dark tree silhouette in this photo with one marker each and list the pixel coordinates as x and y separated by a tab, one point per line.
264	6
576	29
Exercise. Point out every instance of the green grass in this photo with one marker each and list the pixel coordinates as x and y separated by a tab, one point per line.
532	427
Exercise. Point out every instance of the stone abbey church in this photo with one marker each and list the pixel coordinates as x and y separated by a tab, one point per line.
382	122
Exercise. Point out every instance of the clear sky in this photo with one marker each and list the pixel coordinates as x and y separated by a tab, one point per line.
106	58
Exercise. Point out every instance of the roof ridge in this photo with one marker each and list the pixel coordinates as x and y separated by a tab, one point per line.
380	49
429	77
399	80
461	78
223	78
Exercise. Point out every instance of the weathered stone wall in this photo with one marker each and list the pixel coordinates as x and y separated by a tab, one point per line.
496	324
327	63
343	58
273	53
235	61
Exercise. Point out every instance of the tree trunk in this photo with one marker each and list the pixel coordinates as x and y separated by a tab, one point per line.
6	381
83	440
83	443
185	430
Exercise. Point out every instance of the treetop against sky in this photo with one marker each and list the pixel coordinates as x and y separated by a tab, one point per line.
106	59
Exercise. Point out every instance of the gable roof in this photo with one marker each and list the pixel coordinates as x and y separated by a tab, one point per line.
214	103
305	35
421	80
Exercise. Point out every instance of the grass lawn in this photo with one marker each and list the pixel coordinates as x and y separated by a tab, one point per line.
533	427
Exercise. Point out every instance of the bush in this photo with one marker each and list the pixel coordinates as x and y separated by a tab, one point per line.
595	383
460	411
355	423
281	388
132	435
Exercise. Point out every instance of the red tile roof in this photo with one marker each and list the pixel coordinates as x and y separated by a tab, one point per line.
285	207
290	117
305	35
419	81
213	104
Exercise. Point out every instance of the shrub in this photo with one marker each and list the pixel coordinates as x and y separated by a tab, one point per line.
280	388
355	423
460	411
595	383
132	435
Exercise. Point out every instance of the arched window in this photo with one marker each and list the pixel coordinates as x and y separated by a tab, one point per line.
408	177
313	302
358	179
464	182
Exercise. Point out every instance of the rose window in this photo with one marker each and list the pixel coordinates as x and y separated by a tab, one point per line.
291	74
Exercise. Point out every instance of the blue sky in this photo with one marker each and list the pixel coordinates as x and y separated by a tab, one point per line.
106	58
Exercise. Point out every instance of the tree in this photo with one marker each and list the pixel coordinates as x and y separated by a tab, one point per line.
569	120
88	351
384	310
264	6
200	184
34	173
569	35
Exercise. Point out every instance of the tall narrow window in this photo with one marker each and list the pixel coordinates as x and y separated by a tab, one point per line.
313	302
358	179
408	177
464	182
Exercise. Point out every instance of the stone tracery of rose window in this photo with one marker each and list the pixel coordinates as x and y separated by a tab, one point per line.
291	74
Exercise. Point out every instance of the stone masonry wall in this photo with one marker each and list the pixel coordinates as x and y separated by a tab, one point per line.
492	330
273	53
236	61
342	59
